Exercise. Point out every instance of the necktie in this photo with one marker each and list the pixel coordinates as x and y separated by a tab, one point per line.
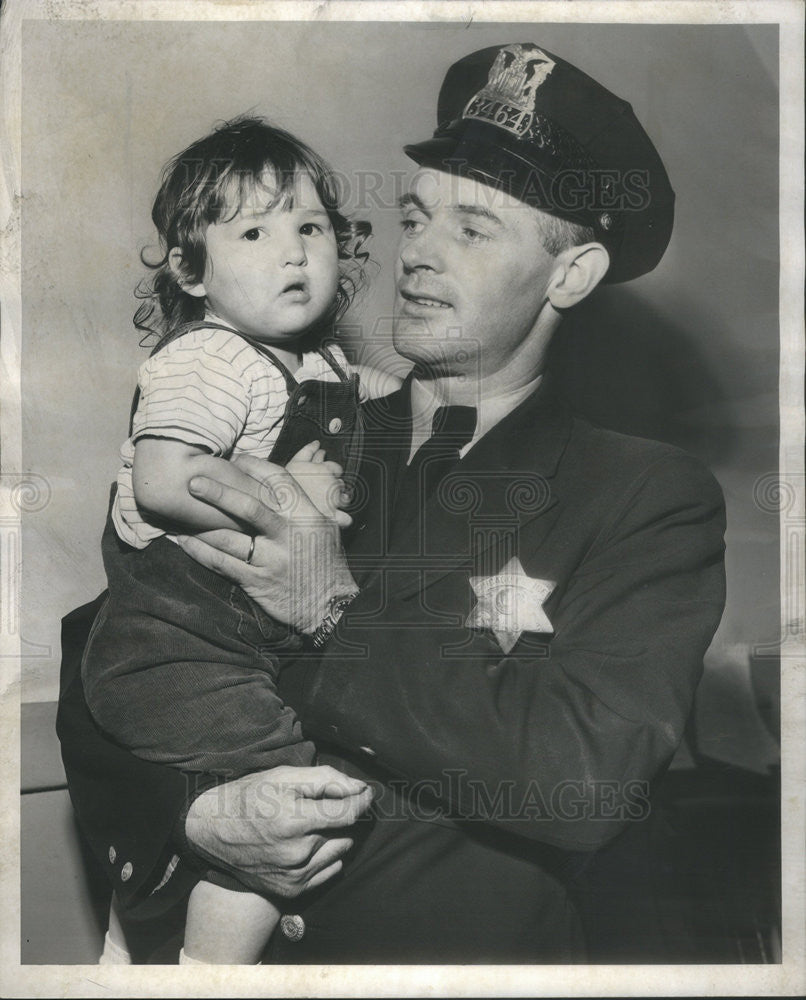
451	429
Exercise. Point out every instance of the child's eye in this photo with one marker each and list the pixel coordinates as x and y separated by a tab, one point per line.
310	229
252	235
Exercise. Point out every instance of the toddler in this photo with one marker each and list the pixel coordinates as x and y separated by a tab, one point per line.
257	265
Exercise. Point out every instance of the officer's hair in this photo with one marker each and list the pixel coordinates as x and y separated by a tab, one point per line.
210	181
559	234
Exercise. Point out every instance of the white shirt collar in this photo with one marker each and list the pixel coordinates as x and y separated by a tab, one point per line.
490	409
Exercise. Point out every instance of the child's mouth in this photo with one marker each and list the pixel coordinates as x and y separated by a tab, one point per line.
296	289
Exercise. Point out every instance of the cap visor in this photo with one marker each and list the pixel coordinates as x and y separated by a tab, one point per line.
489	162
432	150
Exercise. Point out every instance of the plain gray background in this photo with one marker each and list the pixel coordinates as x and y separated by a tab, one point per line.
687	354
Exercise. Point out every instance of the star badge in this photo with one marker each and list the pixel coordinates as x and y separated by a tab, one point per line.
510	603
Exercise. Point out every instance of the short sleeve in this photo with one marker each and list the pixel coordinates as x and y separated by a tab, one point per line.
197	390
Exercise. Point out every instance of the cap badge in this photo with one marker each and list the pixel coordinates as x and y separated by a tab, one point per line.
510	603
507	99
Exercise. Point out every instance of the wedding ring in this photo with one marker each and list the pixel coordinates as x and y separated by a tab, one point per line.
251	552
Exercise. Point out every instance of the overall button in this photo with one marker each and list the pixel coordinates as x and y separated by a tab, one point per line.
335	425
368	751
126	871
302	401
293	926
112	855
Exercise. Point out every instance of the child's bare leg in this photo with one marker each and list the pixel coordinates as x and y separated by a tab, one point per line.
116	951
225	927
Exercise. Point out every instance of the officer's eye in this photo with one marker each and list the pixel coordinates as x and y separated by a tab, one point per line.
473	235
252	234
411	226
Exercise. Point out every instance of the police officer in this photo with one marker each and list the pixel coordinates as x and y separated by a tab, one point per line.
509	657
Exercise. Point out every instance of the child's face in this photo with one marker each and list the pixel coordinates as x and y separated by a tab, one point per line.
272	272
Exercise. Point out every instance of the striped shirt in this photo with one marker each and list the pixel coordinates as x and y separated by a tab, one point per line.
211	389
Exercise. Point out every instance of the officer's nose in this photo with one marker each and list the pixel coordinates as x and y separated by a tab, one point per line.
421	251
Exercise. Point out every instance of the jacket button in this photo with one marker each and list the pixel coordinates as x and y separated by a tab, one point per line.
126	871
334	426
368	751
112	855
293	926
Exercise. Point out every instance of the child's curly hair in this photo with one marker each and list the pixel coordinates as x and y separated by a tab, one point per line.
201	184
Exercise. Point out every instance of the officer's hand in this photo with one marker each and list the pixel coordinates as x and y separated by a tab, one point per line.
297	563
270	829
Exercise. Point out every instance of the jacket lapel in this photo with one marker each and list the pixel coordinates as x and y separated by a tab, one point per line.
387	439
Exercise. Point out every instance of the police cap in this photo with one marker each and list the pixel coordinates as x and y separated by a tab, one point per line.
521	119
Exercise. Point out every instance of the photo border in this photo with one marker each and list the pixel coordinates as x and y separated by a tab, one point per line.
679	980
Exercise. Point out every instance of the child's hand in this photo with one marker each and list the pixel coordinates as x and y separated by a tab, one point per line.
322	481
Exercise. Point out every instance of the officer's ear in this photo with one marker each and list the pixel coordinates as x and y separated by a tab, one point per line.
177	265
578	271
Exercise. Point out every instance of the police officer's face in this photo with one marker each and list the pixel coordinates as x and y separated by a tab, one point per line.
472	274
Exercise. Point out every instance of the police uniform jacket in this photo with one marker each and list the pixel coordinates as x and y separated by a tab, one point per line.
499	759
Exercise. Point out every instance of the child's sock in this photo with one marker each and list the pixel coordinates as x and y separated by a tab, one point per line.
114	953
187	960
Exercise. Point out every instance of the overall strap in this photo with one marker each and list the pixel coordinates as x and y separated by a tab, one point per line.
133	410
290	382
328	356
